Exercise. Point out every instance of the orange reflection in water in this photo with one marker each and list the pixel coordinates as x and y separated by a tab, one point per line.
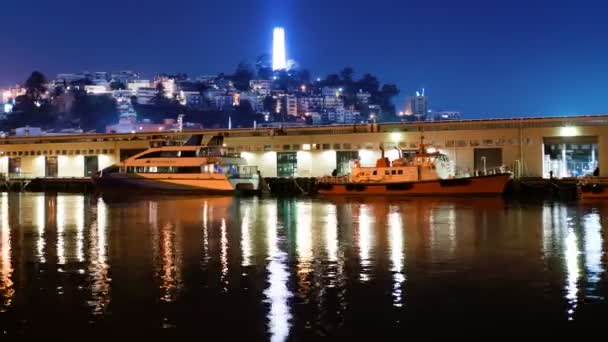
7	290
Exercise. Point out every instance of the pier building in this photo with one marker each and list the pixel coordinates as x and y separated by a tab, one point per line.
530	147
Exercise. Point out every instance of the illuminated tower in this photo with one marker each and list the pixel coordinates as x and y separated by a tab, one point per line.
279	56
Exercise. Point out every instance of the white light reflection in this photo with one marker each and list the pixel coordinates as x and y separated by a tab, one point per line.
304	246
79	219
593	253
331	233
366	223
205	233
571	254
277	294
6	268
40	226
98	267
395	237
246	236
224	255
61	208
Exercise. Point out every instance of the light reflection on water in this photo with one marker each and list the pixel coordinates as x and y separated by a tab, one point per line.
7	290
304	267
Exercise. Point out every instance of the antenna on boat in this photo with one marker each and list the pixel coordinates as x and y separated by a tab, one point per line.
422	150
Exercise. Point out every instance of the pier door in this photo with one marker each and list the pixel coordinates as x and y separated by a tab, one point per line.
91	166
488	158
51	168
344	161
287	164
570	156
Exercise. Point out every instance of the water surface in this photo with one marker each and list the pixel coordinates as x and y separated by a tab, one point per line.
294	269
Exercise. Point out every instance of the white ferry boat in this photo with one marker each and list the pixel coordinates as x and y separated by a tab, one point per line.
191	167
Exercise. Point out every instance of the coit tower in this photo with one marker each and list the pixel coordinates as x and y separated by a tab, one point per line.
279	56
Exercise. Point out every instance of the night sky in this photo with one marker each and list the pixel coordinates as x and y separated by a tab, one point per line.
485	58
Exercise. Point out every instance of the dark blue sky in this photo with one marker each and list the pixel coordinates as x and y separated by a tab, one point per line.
485	58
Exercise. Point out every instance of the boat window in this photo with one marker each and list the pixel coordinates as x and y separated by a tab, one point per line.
375	173
169	154
387	172
394	172
400	172
164	169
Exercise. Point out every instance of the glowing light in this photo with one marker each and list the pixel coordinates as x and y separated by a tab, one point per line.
224	255
279	55
61	207
6	267
246	236
431	150
571	255
277	294
396	246
40	225
568	131
306	147
396	137
79	212
304	240
366	222
331	233
98	267
8	108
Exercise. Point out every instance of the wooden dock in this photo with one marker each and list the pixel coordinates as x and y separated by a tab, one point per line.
538	188
80	185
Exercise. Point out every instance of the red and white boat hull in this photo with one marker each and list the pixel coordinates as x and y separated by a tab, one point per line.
480	185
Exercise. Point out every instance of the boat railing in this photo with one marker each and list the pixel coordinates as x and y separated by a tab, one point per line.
593	180
492	171
334	179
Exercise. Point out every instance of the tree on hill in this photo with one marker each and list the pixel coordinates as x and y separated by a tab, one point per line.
243	74
159	98
263	66
35	85
347	75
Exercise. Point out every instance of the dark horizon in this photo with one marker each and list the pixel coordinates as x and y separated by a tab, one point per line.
521	59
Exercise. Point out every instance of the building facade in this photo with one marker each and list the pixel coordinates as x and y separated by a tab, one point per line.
534	147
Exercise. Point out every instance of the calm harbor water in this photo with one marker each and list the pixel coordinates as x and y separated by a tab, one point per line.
294	269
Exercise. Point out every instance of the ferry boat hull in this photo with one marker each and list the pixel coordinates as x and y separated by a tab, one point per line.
593	191
190	183
490	185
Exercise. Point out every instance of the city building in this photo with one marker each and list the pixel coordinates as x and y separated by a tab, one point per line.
308	104
10	94
261	87
145	95
416	106
124	76
446	115
97	89
191	99
134	85
168	125
291	101
331	91
363	97
332	103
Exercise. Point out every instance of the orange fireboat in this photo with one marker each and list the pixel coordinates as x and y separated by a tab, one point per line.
423	174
